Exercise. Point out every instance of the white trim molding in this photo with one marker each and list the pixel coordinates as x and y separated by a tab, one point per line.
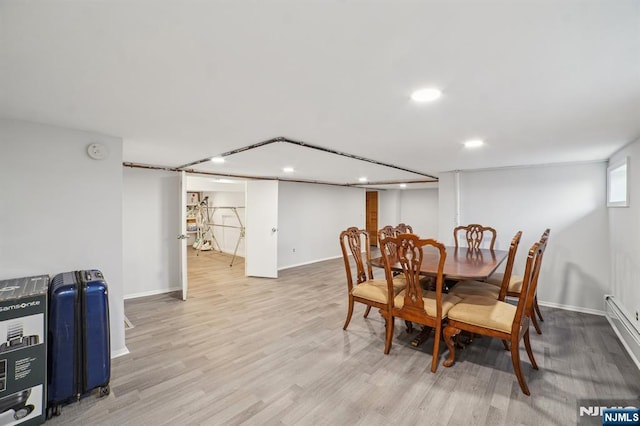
627	333
282	268
573	308
151	293
119	352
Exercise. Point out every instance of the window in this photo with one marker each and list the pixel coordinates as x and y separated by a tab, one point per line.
617	189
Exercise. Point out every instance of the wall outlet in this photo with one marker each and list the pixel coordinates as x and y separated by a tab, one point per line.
294	250
636	315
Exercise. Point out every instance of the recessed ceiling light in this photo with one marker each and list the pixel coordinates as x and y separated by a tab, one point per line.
426	95
403	185
473	143
217	160
362	179
288	169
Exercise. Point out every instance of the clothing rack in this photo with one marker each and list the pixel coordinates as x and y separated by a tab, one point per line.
209	223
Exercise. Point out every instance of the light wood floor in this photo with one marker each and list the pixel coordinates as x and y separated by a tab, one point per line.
272	351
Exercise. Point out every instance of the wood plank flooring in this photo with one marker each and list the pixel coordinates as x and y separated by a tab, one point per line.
272	352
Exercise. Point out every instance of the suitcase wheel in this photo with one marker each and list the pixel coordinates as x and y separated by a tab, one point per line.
23	412
55	410
104	391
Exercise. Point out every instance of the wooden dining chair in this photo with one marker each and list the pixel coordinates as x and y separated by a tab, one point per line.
403	228
364	289
490	317
391	231
386	231
515	285
480	288
414	304
474	235
394	231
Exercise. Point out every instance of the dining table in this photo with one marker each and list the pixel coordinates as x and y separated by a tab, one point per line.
461	263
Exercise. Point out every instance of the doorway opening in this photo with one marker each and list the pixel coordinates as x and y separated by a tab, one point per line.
220	230
215	229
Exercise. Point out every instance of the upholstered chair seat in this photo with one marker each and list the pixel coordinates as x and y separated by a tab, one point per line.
515	281
429	299
475	288
484	312
376	290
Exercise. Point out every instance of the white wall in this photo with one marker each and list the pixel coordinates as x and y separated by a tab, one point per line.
60	210
419	208
569	199
415	207
388	207
447	207
624	228
151	221
310	219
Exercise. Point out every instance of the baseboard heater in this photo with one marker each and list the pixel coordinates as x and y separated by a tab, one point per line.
623	327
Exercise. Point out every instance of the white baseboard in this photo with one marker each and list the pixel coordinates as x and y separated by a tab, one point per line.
120	352
572	308
624	328
308	263
151	293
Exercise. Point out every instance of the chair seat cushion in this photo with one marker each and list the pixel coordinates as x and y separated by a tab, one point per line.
484	312
515	281
475	288
429	299
515	284
376	290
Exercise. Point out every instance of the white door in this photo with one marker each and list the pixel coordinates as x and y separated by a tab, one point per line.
261	228
182	237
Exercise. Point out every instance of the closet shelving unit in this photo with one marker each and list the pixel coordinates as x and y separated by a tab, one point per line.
193	201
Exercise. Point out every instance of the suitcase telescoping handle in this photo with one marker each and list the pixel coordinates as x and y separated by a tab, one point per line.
89	275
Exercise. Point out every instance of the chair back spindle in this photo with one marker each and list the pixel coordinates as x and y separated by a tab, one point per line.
353	239
508	270
403	228
474	235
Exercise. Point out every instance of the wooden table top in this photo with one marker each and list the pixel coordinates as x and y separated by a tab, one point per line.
461	263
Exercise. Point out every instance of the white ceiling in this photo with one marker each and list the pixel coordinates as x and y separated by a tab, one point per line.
540	81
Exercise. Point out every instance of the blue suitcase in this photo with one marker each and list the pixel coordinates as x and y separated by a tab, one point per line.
79	345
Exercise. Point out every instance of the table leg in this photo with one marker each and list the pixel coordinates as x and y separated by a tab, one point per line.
422	336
